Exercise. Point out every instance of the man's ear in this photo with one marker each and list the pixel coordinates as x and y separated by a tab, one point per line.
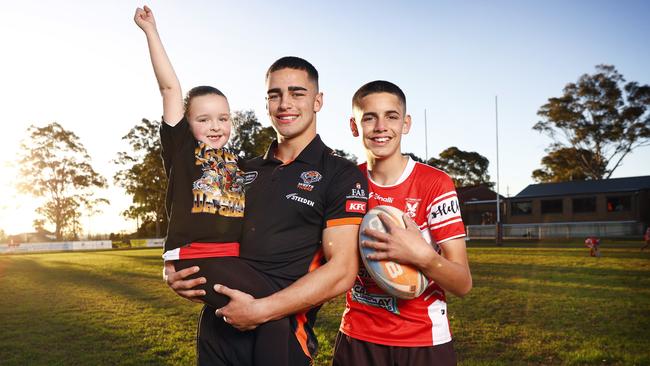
318	102
353	127
406	127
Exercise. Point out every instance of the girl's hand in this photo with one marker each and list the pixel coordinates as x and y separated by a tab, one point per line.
144	19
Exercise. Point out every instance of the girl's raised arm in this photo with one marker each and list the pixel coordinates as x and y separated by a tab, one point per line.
170	87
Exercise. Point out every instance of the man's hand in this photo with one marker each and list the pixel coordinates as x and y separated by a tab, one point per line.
334	277
144	19
177	282
241	312
406	246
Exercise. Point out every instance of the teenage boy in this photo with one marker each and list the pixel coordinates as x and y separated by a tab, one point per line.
378	329
301	223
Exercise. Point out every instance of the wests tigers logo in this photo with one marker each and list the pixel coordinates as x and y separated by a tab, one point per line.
308	178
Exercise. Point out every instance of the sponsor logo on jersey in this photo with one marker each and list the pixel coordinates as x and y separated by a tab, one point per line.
249	177
358	192
382	301
355	206
295	197
308	178
412	205
379	198
444	210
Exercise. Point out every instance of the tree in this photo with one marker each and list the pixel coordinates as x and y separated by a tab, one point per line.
39	225
466	168
346	155
55	165
249	139
562	164
602	114
143	177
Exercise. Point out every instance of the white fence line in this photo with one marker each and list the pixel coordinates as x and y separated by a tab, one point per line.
66	246
563	230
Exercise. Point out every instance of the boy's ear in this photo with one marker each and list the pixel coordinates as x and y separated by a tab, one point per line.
353	127
406	127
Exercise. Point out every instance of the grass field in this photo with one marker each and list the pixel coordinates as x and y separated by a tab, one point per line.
530	305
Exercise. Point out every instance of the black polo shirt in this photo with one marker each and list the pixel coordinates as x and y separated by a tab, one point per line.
289	205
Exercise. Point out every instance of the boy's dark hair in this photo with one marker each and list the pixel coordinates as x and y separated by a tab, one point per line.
378	86
295	63
197	92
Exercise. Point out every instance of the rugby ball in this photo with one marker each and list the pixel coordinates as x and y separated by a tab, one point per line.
399	280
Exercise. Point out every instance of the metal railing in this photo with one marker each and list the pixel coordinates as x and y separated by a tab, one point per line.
562	230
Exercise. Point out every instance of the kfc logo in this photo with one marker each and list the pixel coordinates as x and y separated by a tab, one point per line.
355	206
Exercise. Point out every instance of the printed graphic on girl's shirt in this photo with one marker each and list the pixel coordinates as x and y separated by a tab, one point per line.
220	190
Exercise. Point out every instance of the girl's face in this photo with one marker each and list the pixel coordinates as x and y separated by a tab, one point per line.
209	119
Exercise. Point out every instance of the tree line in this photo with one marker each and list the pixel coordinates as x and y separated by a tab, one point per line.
594	125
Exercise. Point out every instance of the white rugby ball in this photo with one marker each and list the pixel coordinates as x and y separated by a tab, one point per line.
400	280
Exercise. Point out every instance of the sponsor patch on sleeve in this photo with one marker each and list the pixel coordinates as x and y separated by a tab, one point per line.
355	206
444	211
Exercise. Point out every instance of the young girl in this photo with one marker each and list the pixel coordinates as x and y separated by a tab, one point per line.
205	194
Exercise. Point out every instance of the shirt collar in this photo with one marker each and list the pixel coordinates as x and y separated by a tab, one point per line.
311	154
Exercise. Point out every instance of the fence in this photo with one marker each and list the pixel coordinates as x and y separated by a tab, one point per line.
563	230
74	246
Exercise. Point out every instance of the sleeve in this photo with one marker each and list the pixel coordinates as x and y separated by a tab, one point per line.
347	198
171	140
443	212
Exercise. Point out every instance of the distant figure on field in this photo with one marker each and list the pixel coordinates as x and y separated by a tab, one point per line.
646	237
593	243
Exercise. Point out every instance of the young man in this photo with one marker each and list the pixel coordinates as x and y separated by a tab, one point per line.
300	227
378	329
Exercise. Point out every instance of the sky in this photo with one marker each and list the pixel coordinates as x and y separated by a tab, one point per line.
85	65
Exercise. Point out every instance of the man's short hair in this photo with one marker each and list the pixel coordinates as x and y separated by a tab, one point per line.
378	86
295	63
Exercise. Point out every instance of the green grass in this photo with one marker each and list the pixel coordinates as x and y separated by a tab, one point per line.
532	304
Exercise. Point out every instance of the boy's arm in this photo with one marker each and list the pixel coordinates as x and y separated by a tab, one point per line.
449	270
333	278
170	88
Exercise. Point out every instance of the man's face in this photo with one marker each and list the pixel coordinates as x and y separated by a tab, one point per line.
209	120
292	102
381	121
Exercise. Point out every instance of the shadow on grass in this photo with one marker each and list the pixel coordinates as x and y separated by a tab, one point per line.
71	314
64	272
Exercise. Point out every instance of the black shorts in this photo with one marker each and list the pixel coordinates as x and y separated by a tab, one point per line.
352	352
219	344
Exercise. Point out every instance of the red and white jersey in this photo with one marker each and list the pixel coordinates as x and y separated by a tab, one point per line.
427	194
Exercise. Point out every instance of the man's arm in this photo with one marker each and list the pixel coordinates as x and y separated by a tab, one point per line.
333	278
449	270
